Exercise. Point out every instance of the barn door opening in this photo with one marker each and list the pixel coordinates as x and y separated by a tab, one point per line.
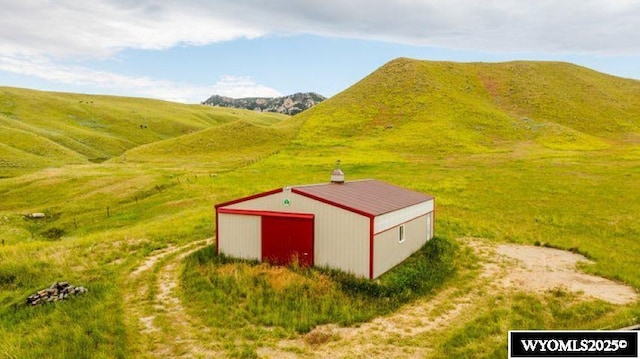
287	239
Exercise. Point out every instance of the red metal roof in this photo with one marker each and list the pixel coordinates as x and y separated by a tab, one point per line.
368	197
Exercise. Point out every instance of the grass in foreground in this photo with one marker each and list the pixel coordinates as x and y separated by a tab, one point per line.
483	335
255	300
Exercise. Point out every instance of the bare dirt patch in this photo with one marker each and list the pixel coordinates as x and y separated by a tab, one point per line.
539	269
151	261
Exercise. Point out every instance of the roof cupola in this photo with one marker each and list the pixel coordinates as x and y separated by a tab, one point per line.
337	176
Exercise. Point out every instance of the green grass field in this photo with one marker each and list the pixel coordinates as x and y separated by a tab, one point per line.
522	152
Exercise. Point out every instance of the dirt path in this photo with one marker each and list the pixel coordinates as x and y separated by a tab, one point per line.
504	268
166	330
155	309
383	337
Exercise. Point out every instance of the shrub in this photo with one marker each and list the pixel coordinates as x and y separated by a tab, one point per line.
53	233
417	275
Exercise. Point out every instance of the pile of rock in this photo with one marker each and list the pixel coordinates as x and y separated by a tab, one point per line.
57	291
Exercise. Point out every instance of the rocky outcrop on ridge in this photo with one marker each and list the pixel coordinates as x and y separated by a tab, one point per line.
289	105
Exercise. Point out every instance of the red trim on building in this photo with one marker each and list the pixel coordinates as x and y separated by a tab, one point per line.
217	237
251	212
259	195
371	251
335	204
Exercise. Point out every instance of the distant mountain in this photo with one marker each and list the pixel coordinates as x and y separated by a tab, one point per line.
289	105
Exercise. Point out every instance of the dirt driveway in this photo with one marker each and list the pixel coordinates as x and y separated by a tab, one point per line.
504	268
154	302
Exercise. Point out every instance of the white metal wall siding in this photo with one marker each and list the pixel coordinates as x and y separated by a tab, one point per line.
395	218
388	252
341	237
240	235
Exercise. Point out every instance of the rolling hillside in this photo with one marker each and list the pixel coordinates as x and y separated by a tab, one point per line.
410	107
524	152
43	129
223	147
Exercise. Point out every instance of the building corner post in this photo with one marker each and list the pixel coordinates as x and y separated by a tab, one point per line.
371	249
217	234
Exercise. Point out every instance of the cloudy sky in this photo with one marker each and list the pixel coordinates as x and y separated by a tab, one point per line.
188	50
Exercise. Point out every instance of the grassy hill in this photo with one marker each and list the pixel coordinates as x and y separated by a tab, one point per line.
421	107
524	152
43	129
218	148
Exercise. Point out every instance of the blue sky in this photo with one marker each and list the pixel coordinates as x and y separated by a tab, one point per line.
188	50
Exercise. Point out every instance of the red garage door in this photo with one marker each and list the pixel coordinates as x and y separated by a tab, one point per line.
287	238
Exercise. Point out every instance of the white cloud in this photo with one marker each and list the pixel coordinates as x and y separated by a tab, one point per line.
37	37
104	27
568	26
238	87
101	28
231	86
